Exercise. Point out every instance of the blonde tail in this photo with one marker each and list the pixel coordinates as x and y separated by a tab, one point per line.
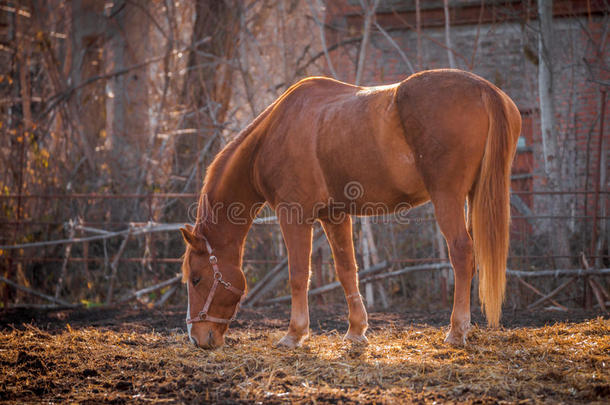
491	206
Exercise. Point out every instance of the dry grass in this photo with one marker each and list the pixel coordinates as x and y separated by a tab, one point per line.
566	363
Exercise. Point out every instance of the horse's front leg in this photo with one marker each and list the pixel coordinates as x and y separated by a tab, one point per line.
297	237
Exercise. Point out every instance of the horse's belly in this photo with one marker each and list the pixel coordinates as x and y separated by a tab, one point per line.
376	187
374	180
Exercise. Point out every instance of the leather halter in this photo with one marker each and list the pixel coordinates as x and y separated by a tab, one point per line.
203	315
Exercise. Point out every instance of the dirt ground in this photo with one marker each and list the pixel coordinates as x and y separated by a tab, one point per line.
139	355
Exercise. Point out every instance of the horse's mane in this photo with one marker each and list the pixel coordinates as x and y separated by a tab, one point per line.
213	175
186	267
219	164
215	169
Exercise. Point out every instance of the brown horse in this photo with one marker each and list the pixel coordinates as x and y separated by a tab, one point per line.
445	136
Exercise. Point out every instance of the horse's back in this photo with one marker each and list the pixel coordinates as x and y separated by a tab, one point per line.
397	141
325	134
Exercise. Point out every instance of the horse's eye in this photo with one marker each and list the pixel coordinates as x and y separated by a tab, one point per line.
195	280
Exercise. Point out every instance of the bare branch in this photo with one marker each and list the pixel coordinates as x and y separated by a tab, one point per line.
36	293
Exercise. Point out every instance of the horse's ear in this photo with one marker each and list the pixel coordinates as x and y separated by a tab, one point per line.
195	242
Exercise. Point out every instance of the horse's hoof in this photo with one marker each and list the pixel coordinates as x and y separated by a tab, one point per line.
454	340
290	342
357	339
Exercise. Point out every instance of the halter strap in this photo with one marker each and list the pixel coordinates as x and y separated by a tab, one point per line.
203	314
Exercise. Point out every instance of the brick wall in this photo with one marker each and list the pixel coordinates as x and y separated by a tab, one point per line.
503	48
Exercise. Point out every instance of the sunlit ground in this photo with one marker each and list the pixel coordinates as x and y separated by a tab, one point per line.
566	363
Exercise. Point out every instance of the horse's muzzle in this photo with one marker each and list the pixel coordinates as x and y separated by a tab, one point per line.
206	343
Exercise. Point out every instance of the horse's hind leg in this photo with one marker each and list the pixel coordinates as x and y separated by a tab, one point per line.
297	237
449	212
342	245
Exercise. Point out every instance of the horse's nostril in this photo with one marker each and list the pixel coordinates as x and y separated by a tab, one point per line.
211	339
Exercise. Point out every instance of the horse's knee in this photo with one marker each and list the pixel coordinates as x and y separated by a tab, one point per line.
461	245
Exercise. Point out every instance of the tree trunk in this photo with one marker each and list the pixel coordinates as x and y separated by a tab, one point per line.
368	241
420	64
557	231
448	35
208	85
127	95
440	240
369	13
88	31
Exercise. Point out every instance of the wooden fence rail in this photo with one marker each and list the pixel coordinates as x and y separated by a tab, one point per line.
366	275
279	273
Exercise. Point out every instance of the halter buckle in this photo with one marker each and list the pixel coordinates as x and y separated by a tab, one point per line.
213	259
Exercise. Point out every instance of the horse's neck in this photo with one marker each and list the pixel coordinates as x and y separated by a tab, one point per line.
233	199
229	237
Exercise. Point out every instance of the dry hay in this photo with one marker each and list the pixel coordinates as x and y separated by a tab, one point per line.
566	363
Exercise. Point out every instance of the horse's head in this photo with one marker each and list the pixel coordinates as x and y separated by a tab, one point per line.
215	288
